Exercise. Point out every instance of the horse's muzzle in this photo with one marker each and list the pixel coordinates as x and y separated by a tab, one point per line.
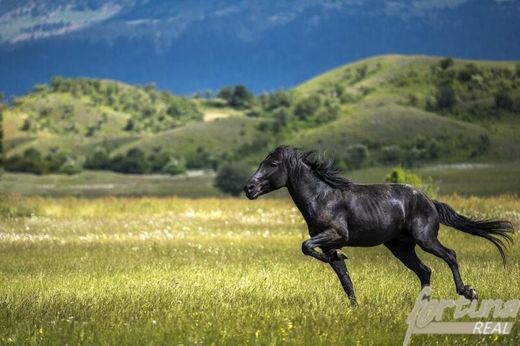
252	190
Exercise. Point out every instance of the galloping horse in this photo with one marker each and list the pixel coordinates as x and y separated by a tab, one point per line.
341	213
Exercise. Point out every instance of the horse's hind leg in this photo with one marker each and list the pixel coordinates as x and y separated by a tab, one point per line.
432	245
405	252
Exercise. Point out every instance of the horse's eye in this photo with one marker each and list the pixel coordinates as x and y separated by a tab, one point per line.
274	164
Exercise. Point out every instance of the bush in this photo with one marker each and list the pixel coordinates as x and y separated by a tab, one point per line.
503	100
70	167
399	175
55	160
392	154
175	166
241	97
446	63
355	156
201	159
98	160
238	96
133	162
445	97
31	162
307	107
278	99
232	177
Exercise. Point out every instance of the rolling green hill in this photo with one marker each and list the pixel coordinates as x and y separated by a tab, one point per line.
383	110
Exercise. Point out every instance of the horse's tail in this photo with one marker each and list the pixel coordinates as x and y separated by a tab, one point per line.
496	231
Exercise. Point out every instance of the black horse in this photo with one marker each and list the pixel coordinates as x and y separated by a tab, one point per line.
340	213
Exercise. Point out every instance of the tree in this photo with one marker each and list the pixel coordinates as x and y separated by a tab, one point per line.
307	107
31	161
503	100
445	97
356	155
98	160
391	154
175	166
225	93
133	162
446	63
232	177
55	160
71	166
241	97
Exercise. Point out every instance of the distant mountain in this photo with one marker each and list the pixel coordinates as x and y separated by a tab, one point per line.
187	46
384	110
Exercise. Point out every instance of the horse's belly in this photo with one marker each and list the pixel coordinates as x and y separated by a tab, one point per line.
370	237
374	233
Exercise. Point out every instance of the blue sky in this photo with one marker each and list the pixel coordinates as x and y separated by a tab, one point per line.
186	46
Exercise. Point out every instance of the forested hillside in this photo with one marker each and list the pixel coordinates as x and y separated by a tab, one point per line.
386	110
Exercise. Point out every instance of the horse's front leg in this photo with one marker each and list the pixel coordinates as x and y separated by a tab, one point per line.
341	271
327	239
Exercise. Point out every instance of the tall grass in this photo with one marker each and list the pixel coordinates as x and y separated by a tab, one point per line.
217	271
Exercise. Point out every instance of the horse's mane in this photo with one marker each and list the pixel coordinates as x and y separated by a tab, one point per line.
324	169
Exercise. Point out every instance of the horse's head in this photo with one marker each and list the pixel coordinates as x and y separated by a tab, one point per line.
271	174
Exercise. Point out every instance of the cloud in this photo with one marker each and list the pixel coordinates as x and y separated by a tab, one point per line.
419	8
164	21
32	21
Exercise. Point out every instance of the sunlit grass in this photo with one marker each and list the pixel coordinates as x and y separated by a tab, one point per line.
222	271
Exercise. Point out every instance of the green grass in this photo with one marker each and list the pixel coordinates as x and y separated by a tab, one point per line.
217	136
464	179
103	183
217	271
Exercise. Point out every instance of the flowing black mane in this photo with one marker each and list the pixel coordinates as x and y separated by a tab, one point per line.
323	168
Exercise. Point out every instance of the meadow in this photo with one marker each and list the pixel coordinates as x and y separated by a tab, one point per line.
140	271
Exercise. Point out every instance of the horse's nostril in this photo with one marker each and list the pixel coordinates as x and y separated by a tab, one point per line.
250	187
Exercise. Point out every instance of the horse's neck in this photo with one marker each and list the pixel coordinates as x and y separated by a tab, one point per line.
305	189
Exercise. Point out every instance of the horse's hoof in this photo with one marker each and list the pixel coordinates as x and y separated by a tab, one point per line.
353	303
470	293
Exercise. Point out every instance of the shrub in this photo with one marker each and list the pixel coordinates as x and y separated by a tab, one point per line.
399	175
391	154
307	107
503	100
31	162
98	160
446	63
445	97
278	99
55	160
201	159
241	97
175	166
231	178
355	156
70	167
133	162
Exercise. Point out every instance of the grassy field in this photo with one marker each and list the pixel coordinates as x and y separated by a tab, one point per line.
216	271
462	178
